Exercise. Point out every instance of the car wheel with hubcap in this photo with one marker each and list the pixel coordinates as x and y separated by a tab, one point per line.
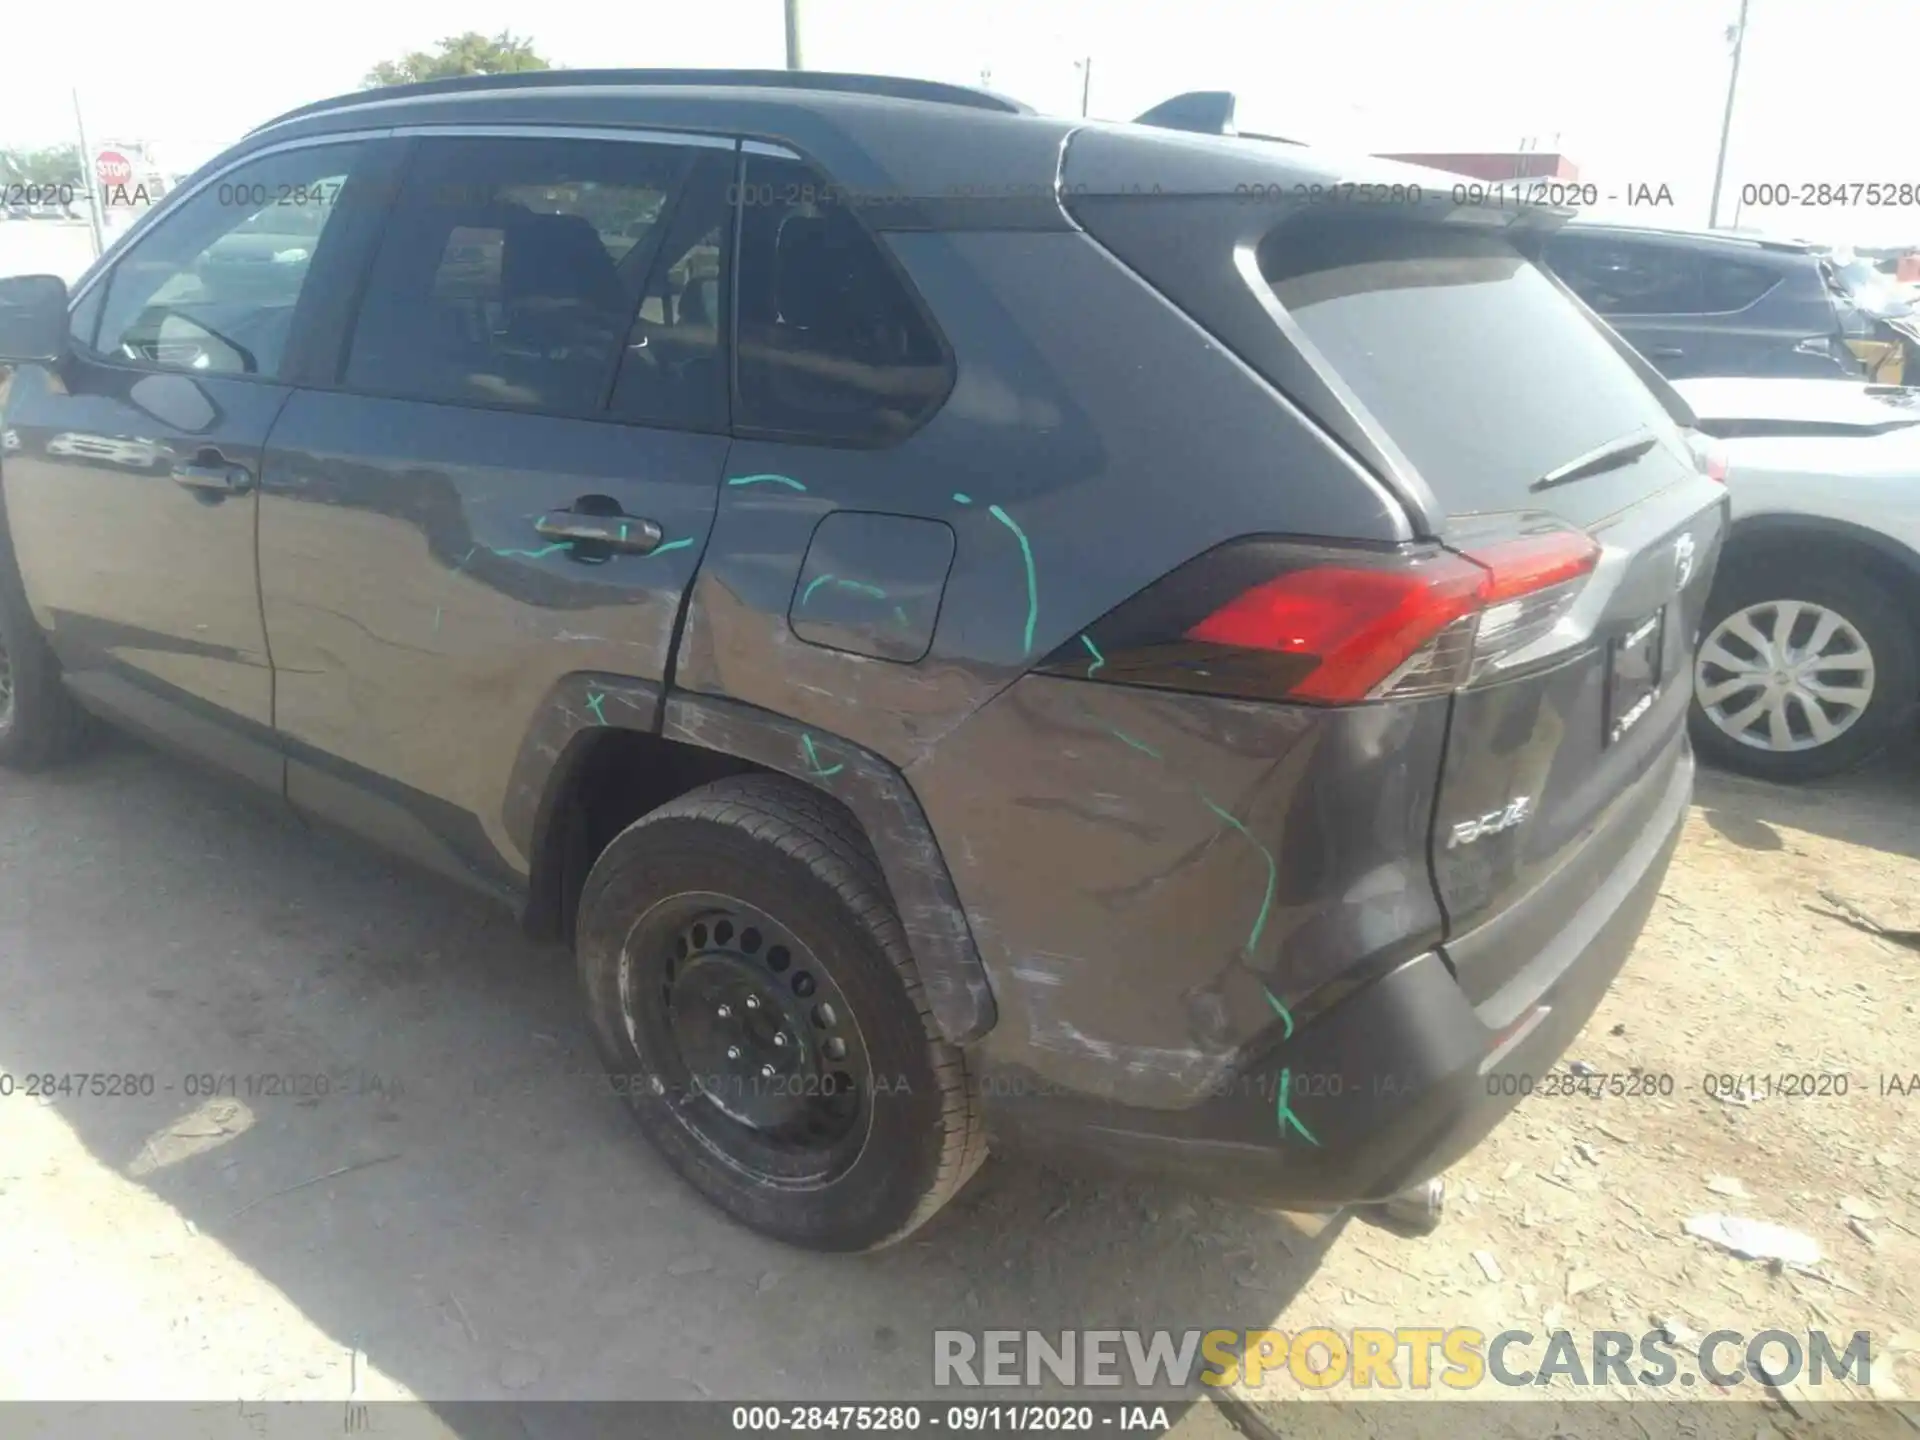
1799	677
750	989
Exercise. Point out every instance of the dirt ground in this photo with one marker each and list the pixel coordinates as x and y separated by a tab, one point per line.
467	1215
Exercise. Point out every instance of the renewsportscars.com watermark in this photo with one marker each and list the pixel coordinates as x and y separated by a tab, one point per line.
1409	1357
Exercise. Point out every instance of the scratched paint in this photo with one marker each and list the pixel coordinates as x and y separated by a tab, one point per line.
1283	1113
813	759
787	480
1026	555
594	702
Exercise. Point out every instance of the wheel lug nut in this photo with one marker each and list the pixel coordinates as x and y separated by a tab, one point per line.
733	1052
767	1070
753	1003
780	1041
726	1012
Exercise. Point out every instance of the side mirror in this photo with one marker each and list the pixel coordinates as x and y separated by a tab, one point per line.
33	319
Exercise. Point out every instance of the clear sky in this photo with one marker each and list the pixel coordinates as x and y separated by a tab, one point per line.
1633	89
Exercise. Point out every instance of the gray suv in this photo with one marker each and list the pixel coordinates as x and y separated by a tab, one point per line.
1709	303
969	622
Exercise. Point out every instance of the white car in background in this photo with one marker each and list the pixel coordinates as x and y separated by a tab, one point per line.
1807	660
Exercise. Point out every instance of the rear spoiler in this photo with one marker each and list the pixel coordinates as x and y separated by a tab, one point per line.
1203	112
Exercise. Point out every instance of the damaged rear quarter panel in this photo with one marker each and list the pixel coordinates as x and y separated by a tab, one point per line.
1154	879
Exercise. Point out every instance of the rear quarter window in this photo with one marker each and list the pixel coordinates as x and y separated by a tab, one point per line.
1467	355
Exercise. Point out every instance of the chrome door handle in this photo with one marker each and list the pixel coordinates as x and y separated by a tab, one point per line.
622	534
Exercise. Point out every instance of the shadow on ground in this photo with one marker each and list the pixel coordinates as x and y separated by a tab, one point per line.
508	1233
1877	806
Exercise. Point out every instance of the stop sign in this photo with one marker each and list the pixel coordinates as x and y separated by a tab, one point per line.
113	168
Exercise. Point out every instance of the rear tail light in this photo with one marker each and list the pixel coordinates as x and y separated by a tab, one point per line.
1711	459
1328	626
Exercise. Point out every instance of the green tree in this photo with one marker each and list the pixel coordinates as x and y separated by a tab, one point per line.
468	54
55	165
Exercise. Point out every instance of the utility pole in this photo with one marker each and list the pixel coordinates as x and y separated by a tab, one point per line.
793	34
89	179
1739	38
1086	84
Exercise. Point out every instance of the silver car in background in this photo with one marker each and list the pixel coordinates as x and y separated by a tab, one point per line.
1807	661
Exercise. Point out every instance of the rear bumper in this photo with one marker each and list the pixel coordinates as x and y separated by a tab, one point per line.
1392	1084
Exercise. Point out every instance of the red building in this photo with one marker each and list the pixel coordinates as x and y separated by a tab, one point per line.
1520	165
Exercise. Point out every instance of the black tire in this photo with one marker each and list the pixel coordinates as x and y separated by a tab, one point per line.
39	723
782	848
1883	622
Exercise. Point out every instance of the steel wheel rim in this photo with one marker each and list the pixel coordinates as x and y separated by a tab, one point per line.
795	1114
1784	676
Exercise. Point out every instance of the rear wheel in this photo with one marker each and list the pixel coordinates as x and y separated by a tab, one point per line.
1799	676
39	723
750	989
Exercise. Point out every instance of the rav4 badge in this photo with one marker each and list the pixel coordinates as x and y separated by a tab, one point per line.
1492	823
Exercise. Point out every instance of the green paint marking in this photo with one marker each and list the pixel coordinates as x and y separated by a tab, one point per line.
1093	650
540	554
963	499
1140	745
436	619
623	532
813	759
1033	584
670	545
862	588
1273	873
1279	1010
1284	1116
901	616
594	703
787	480
813	585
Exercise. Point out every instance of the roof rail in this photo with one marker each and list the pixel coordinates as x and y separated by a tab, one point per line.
891	86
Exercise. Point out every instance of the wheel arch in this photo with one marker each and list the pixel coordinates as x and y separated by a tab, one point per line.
604	751
1755	538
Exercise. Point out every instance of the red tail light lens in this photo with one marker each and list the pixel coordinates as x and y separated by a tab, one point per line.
1359	626
1416	628
1332	625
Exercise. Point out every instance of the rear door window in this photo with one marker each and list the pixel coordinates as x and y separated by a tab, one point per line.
1469	358
512	269
1729	285
833	346
1629	277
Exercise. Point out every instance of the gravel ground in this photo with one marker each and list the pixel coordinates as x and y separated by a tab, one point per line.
466	1215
